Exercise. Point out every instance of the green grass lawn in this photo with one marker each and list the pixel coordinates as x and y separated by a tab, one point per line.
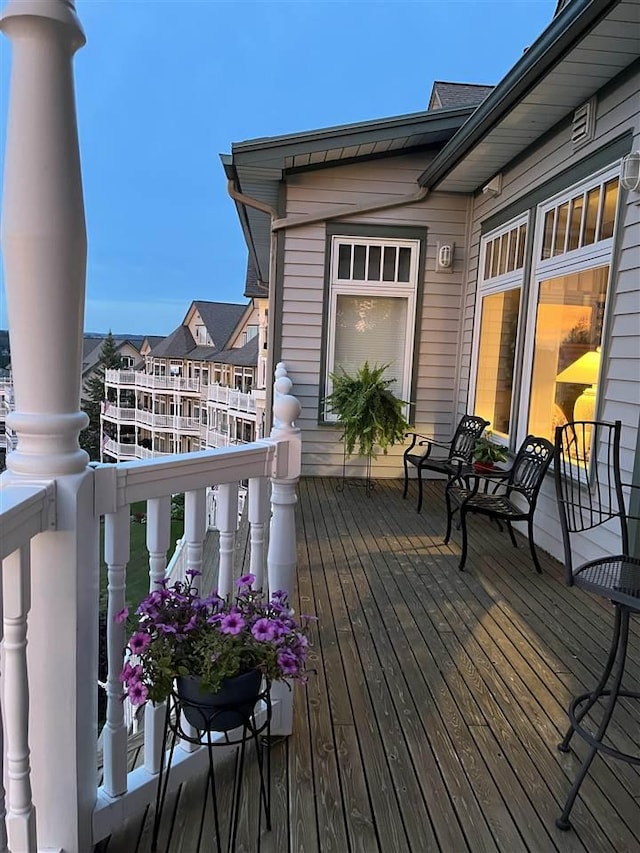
138	566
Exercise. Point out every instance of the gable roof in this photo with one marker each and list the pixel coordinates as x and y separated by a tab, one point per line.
176	345
257	167
544	87
457	94
246	356
252	287
221	320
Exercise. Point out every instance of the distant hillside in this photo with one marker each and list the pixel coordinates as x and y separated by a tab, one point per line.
5	353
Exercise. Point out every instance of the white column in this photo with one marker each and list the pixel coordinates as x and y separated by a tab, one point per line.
281	555
44	246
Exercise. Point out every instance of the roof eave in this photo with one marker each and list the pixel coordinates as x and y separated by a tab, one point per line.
575	20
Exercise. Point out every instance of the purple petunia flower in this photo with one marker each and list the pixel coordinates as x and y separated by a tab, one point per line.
232	623
139	642
193	573
264	630
164	628
138	693
287	662
121	615
246	580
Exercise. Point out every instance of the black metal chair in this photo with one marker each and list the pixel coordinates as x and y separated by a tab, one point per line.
459	451
523	479
590	493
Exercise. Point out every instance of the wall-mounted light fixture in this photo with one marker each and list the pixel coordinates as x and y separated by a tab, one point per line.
444	257
494	187
630	171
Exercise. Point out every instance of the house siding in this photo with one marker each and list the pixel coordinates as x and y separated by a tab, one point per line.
618	111
444	217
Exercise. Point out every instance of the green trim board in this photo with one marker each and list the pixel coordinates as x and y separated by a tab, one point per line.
573	174
404	232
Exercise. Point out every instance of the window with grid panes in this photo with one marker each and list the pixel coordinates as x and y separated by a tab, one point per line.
372	304
497	315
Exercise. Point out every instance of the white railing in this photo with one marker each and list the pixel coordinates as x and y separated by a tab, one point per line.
271	467
231	398
143	417
25	512
126	451
138	379
119	413
274	461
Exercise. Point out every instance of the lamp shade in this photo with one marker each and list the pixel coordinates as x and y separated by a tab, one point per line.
583	371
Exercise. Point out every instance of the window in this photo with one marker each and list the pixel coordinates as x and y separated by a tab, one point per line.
372	303
126	362
566	351
250	333
545	354
498	307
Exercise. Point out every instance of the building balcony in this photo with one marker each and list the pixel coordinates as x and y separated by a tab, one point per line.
133	379
231	399
150	420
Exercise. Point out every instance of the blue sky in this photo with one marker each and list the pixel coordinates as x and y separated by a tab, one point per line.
164	87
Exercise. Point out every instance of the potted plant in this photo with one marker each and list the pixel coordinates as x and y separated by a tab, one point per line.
216	650
487	452
370	415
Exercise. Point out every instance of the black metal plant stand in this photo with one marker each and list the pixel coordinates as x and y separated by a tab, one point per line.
242	735
368	482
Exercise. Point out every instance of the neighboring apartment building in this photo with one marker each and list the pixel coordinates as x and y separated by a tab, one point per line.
481	248
128	347
197	388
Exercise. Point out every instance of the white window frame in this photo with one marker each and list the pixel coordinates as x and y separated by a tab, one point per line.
353	287
490	287
595	255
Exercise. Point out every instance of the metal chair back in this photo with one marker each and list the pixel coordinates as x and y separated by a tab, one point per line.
464	439
589	491
529	467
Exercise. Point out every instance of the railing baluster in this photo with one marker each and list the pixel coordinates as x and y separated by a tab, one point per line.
158	539
258	514
227	524
116	554
21	816
195	526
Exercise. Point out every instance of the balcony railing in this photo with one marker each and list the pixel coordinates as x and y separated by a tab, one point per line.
231	398
27	511
138	379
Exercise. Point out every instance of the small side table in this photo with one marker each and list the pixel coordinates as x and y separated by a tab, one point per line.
245	732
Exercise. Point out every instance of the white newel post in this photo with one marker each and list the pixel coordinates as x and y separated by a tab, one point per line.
44	245
281	555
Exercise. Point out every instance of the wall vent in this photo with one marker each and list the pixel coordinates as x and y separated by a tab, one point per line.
584	123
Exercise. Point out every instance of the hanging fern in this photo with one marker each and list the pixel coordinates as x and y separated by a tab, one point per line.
368	412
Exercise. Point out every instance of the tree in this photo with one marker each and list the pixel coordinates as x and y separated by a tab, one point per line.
94	395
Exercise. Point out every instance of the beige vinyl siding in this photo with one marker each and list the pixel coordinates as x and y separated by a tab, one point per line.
444	218
617	112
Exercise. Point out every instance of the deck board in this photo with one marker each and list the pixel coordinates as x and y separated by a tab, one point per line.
432	721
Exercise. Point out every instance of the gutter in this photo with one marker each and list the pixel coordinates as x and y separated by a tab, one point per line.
576	19
336	212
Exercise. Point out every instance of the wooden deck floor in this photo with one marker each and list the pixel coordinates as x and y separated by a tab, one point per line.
432	721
